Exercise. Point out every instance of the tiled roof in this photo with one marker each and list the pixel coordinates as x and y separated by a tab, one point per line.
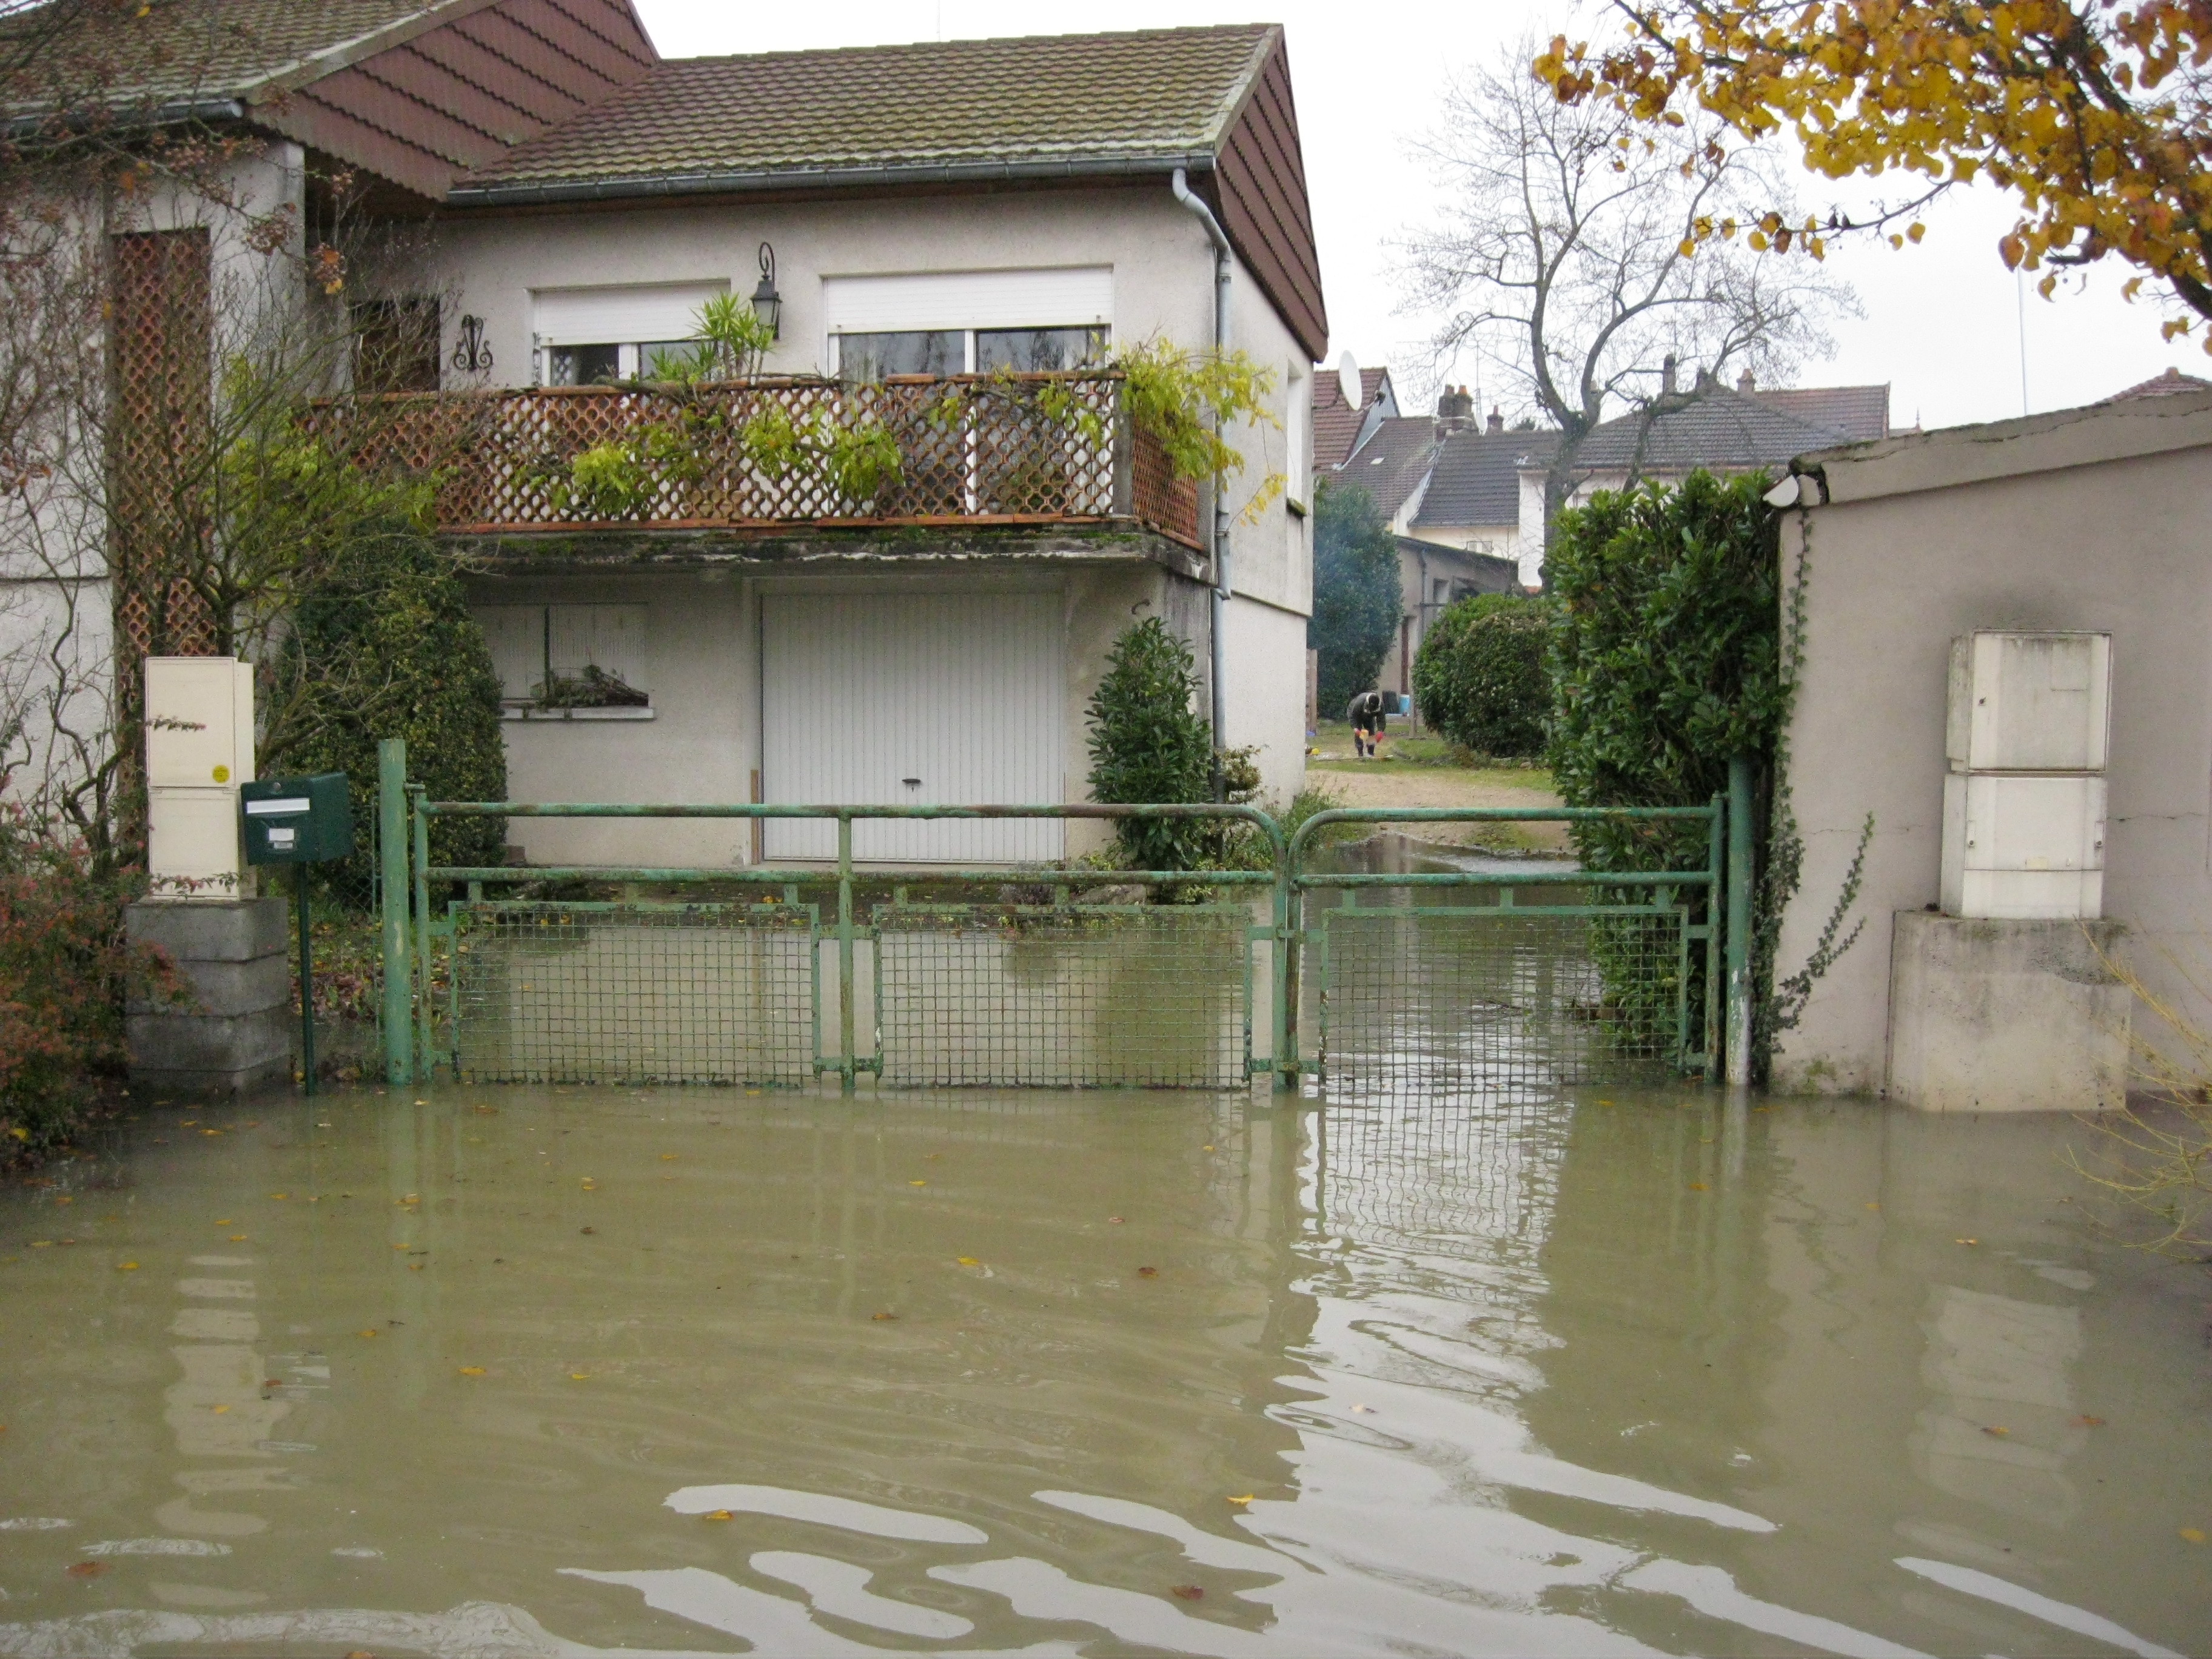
181	50
1391	465
1336	424
2161	385
1861	410
1476	480
1720	428
965	106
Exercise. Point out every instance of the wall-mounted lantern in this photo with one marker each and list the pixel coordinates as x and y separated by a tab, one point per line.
471	354
767	304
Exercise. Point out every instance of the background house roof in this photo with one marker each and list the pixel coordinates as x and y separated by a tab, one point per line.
1861	410
1720	428
1393	461
2162	385
1477	477
1336	424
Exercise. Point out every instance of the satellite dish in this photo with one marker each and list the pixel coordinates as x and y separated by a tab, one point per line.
1347	380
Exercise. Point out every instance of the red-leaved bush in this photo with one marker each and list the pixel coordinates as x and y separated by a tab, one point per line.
65	969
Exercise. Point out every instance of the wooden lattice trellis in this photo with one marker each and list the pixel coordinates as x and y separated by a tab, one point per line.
1035	449
159	362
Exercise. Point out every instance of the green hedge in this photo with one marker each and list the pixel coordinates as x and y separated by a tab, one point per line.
383	646
1481	677
1666	656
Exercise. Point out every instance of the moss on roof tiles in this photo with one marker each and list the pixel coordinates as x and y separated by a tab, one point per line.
1099	97
190	49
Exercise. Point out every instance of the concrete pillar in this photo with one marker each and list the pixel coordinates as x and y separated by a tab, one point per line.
234	1032
2004	1015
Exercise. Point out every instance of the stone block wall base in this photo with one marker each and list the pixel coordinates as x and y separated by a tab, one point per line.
1999	1016
234	1033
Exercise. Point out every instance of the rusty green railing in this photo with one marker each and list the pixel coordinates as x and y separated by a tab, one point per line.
1630	914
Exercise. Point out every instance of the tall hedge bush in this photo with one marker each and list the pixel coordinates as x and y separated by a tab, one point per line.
383	646
1483	676
1356	595
1149	744
1666	659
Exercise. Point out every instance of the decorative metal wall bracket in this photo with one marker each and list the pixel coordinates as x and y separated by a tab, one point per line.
471	354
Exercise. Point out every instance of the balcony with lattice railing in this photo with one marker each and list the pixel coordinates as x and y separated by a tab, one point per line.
760	456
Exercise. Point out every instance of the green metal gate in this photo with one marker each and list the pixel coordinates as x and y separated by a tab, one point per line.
1045	976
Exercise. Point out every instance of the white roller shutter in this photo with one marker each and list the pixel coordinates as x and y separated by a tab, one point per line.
620	315
962	692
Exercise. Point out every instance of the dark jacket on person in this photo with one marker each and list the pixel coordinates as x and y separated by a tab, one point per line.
1366	711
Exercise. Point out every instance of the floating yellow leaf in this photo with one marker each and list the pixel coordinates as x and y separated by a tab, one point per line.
668	1158
369	1332
1205	1149
238	1238
580	1376
1874	1206
1697	1185
1148	1272
1966	1241
2194	1534
2088	1422
1996	1430
917	1183
224	1221
1246	1499
280	1195
718	1515
126	1266
218	1410
883	1316
969	1261
590	1185
472	1371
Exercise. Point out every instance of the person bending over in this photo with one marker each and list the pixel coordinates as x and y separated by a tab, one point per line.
1366	717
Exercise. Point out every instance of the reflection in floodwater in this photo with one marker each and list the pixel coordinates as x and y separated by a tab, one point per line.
567	1372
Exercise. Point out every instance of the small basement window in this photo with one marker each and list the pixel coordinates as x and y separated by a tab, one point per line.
569	661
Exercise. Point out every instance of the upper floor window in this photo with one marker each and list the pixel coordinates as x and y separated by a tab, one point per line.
968	351
593	336
968	322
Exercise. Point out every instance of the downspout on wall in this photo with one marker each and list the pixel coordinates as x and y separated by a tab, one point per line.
1220	653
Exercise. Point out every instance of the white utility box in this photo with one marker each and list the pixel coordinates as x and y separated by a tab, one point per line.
2029	702
199	748
2024	846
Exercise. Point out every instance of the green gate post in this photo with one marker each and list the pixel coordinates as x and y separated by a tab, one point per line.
1285	958
847	1065
1716	909
1739	921
425	1055
397	890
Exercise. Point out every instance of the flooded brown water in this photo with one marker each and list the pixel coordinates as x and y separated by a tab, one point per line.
517	1372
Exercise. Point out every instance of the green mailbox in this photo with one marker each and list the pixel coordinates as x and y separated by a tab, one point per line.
296	820
299	822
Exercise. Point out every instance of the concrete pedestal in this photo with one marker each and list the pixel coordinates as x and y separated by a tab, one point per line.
235	1034
1999	1016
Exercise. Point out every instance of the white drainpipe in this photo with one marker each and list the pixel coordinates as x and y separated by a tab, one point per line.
1184	194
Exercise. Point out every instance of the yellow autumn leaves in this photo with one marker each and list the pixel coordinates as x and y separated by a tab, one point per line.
2092	117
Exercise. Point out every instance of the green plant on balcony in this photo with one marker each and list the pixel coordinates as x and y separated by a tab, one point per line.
855	460
1191	402
733	340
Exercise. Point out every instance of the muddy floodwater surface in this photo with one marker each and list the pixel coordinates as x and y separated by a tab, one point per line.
521	1371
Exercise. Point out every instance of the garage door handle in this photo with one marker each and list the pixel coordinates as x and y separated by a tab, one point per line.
911	783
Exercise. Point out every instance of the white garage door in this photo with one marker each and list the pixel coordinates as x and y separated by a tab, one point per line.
918	700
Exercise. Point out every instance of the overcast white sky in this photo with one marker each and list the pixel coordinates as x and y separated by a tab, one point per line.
1943	322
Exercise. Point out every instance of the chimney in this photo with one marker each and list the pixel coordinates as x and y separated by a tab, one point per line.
1455	409
1497	420
1666	377
1747	381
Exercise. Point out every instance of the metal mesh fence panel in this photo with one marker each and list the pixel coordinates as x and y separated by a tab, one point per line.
1154	996
1516	1004
548	993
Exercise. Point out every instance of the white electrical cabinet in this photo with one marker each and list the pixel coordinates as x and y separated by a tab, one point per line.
2029	702
199	748
2024	846
2027	732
